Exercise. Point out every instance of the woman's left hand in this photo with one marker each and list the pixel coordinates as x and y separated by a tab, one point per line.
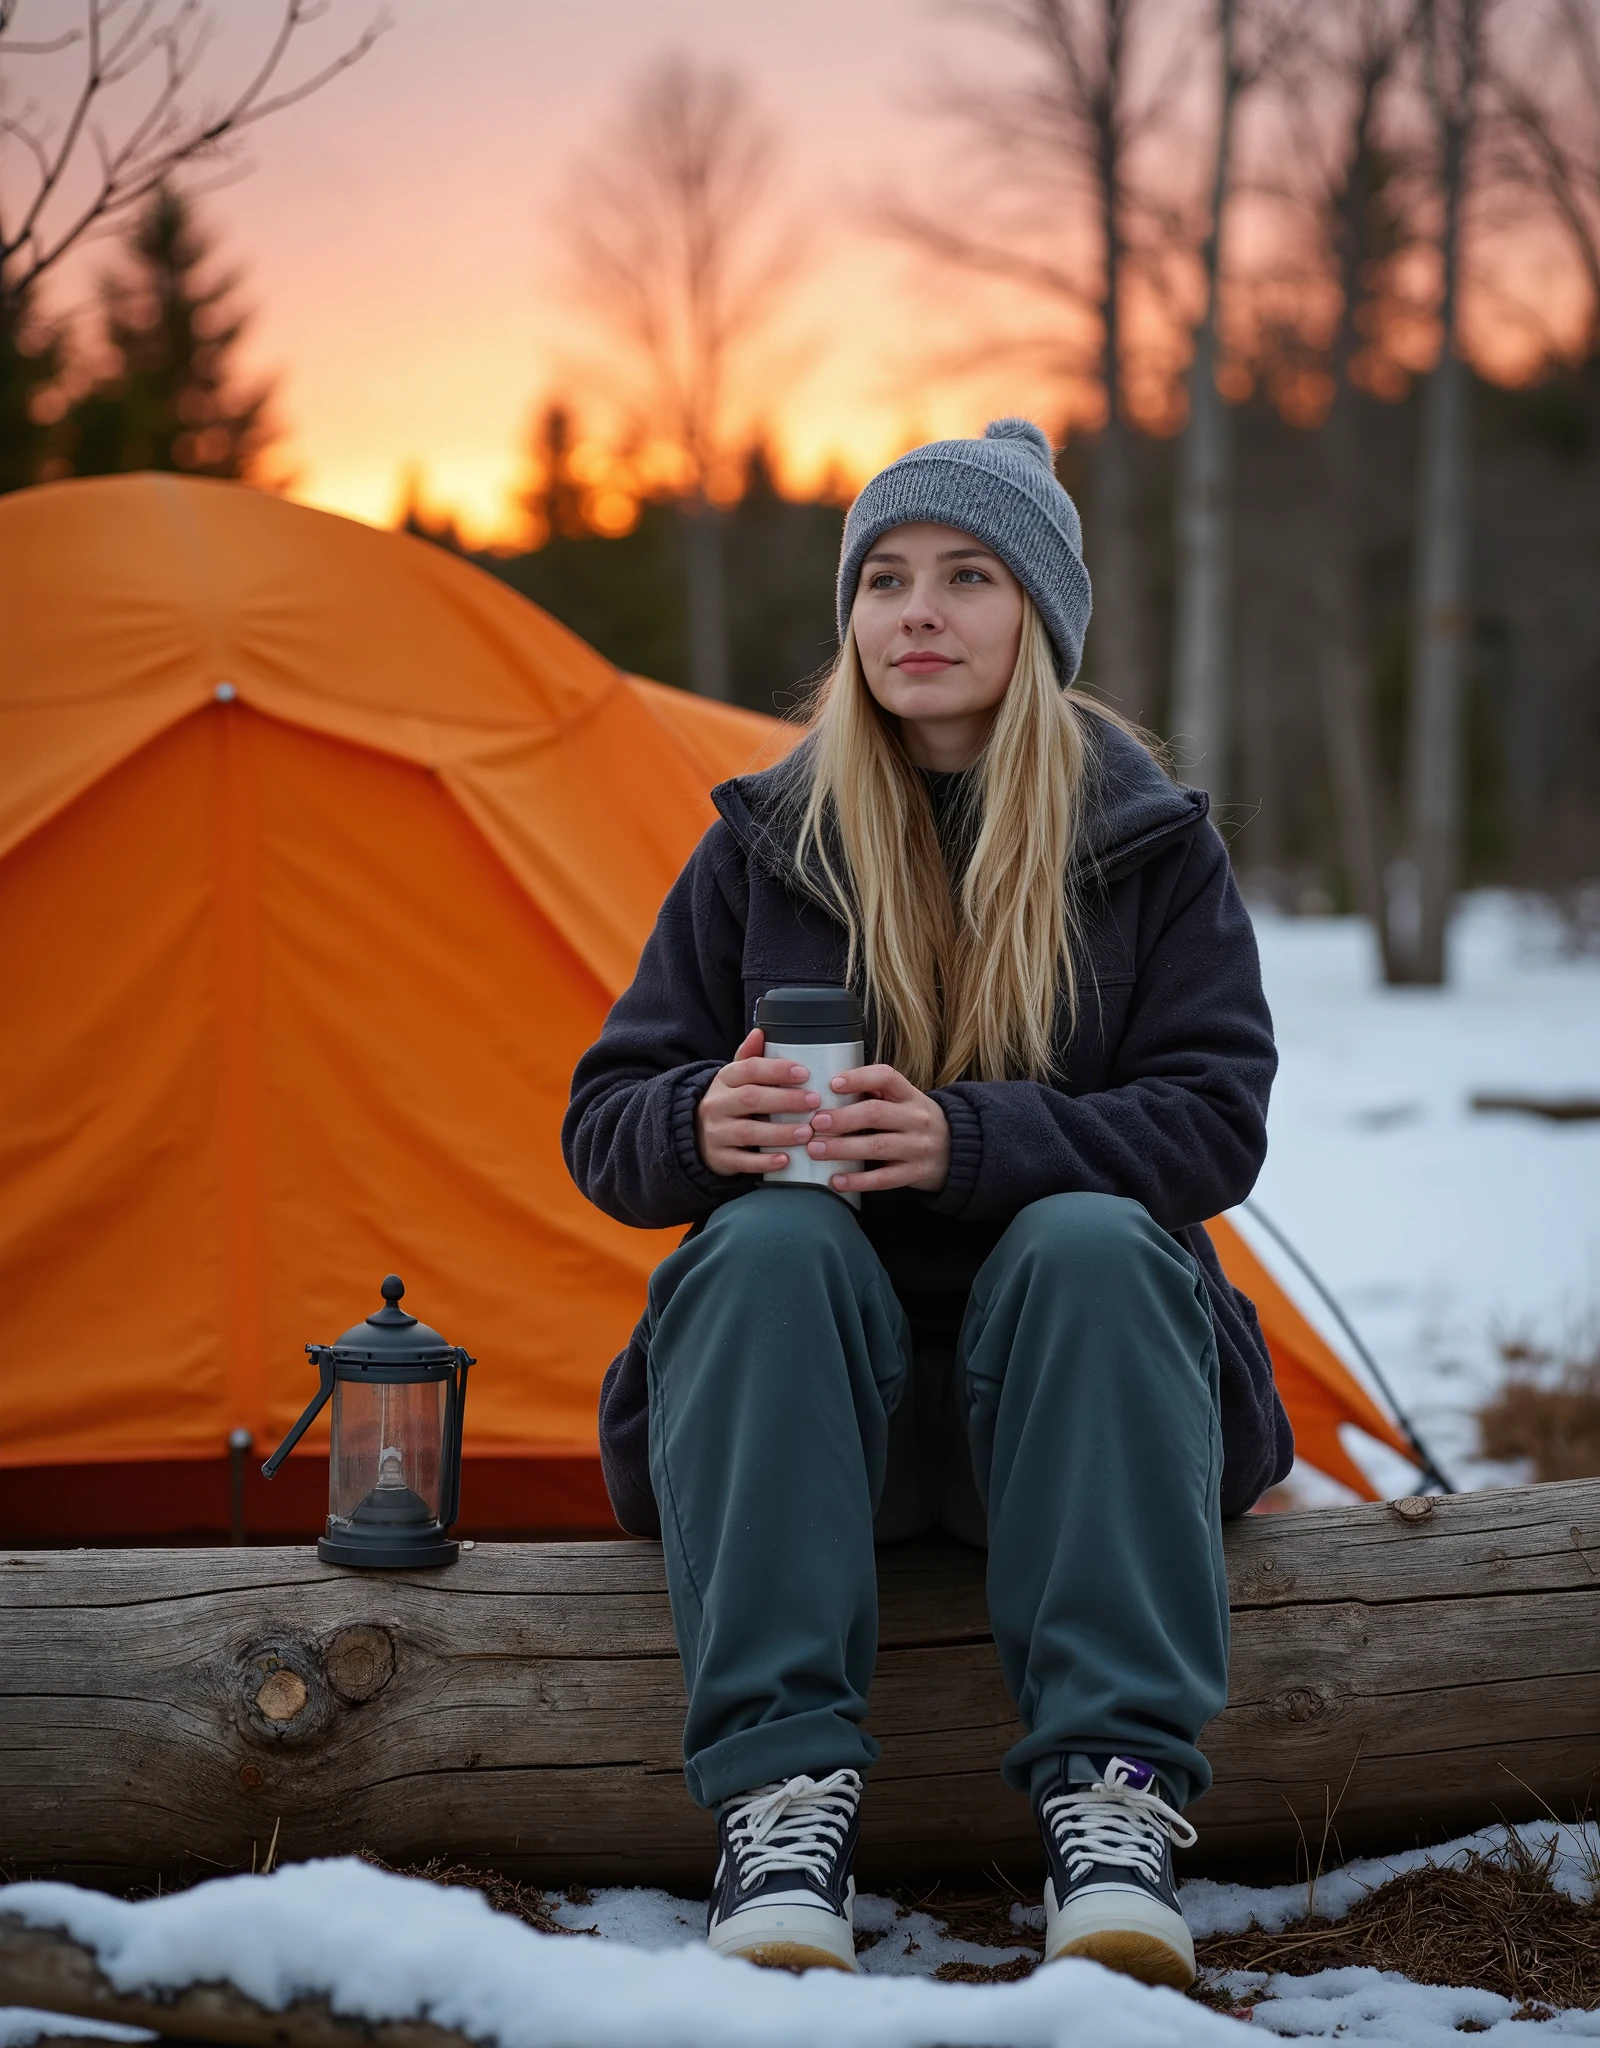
904	1132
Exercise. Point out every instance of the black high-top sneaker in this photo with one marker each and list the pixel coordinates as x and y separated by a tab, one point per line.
1110	1895
784	1894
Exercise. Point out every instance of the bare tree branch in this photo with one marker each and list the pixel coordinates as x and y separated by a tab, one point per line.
120	38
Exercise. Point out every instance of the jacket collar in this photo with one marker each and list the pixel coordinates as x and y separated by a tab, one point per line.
1134	808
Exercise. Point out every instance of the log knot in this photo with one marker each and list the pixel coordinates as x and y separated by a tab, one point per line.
281	1696
359	1662
1415	1507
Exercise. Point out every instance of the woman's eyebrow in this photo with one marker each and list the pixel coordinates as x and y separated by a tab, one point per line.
946	555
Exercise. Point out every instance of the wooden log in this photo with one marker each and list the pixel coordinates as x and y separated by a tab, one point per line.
1426	1667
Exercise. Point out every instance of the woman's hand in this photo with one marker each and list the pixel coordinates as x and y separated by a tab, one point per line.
749	1088
895	1125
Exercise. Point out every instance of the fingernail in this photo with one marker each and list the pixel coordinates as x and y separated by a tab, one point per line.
813	1102
817	1151
837	1084
802	1132
800	1073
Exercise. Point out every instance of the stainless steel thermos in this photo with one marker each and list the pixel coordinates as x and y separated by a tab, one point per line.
821	1028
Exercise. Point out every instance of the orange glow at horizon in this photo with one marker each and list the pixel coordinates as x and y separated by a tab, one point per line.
397	243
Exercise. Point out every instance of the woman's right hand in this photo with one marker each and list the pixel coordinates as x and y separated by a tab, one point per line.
747	1089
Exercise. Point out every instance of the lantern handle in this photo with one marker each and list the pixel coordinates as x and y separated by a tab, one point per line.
458	1407
324	1357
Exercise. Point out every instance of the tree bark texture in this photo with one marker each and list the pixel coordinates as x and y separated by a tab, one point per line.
1426	1669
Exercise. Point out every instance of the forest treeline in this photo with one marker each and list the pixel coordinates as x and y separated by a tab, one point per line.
1309	296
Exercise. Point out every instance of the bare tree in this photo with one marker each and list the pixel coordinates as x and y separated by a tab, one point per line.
1201	656
1063	216
1200	653
681	261
1451	38
1546	132
1362	53
132	120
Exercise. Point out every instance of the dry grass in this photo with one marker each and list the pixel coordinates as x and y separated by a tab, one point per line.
523	1902
1548	1411
982	1915
1495	1924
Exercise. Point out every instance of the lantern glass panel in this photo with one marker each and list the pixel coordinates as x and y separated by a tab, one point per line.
386	1464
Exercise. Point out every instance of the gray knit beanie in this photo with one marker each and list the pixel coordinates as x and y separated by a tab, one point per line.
1003	491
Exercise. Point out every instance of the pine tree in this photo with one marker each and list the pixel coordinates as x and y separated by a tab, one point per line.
171	399
555	504
30	362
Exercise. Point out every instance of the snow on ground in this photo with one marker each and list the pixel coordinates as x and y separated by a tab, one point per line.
387	1947
1441	1230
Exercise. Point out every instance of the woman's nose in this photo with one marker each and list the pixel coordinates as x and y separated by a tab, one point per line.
921	611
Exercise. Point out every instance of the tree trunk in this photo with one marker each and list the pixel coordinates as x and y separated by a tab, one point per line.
1118	667
709	667
1343	671
1117	663
1200	693
164	1710
1434	763
1419	911
1200	682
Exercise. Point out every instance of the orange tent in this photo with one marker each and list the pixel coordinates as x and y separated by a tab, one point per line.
322	855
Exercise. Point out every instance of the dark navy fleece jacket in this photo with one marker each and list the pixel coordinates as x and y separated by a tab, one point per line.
1161	1092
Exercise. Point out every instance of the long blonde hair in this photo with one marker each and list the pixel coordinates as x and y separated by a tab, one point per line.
964	975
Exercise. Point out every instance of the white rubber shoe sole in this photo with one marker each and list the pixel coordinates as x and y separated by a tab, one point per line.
1126	1930
783	1936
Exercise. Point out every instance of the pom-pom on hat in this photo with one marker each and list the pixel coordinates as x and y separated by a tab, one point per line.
1003	491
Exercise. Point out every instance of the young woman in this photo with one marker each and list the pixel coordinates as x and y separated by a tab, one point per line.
1024	1336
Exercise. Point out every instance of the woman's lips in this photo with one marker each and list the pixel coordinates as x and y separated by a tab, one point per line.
924	664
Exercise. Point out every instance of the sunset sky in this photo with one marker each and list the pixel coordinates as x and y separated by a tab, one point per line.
396	232
395	235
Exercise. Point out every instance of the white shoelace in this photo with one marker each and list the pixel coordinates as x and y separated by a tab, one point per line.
1114	1822
797	1825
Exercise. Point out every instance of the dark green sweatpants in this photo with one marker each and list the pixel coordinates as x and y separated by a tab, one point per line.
1085	1388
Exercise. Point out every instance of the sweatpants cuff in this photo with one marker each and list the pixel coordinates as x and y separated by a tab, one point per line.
814	1743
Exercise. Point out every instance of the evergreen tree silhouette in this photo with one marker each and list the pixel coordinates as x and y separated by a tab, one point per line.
171	399
555	504
30	362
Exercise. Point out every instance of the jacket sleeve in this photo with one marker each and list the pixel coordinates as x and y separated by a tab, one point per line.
1182	1125
629	1133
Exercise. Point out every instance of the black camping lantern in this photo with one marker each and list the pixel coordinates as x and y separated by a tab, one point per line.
394	1467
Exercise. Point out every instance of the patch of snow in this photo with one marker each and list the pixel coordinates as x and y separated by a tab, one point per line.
1213	1908
1359	2004
1439	1228
20	2026
388	1947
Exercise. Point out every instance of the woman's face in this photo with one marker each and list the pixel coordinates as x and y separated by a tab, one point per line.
938	621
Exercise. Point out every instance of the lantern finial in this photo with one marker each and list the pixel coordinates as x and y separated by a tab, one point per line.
392	1288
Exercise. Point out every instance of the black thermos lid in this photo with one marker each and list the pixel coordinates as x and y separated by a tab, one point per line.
810	1016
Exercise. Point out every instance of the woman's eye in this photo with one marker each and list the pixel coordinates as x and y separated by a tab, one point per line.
970	576
884	580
